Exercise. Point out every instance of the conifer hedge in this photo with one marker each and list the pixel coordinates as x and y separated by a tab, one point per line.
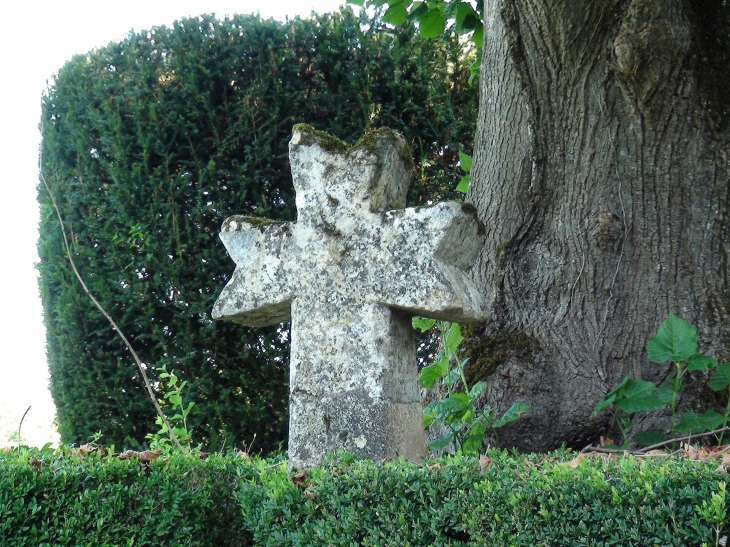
150	143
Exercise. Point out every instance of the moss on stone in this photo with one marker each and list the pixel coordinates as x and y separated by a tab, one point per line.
368	142
487	352
330	143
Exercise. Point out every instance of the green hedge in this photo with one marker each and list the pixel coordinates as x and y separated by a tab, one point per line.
227	500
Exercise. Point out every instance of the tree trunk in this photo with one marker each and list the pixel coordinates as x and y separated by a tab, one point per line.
601	173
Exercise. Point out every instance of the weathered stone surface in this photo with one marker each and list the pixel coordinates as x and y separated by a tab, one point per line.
350	273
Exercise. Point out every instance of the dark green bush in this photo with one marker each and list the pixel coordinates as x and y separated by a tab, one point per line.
516	501
227	500
149	144
66	500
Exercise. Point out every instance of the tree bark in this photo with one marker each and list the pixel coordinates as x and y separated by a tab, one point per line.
601	173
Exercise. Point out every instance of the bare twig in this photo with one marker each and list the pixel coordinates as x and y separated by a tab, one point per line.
142	371
20	425
643	451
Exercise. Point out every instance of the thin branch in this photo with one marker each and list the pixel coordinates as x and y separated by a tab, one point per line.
643	451
142	371
20	425
687	438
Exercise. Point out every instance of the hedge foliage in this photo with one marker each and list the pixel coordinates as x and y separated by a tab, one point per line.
149	144
227	500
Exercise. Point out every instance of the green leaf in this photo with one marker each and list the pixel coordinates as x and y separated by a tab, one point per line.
175	399
649	438
700	361
464	162
476	390
453	404
607	401
609	398
396	14
431	373
512	414
478	39
690	423
721	378
452	377
423	323
665	394
472	442
441	443
638	395
432	23
463	185
356	2
418	9
711	420
453	338
676	340
468	417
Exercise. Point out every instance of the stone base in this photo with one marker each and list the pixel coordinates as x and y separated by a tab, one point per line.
375	429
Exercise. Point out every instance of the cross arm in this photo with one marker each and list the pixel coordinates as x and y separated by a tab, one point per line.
259	293
435	247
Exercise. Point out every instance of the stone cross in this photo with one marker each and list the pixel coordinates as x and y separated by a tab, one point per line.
349	274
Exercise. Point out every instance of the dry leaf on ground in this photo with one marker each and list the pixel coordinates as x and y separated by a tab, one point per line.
300	478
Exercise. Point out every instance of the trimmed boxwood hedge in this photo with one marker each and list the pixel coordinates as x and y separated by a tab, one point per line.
53	499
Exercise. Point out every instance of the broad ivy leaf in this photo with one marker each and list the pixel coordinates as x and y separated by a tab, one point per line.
465	161
721	379
690	423
463	185
649	438
431	373
466	18
700	361
512	414
432	23
396	14
676	340
423	323
638	395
